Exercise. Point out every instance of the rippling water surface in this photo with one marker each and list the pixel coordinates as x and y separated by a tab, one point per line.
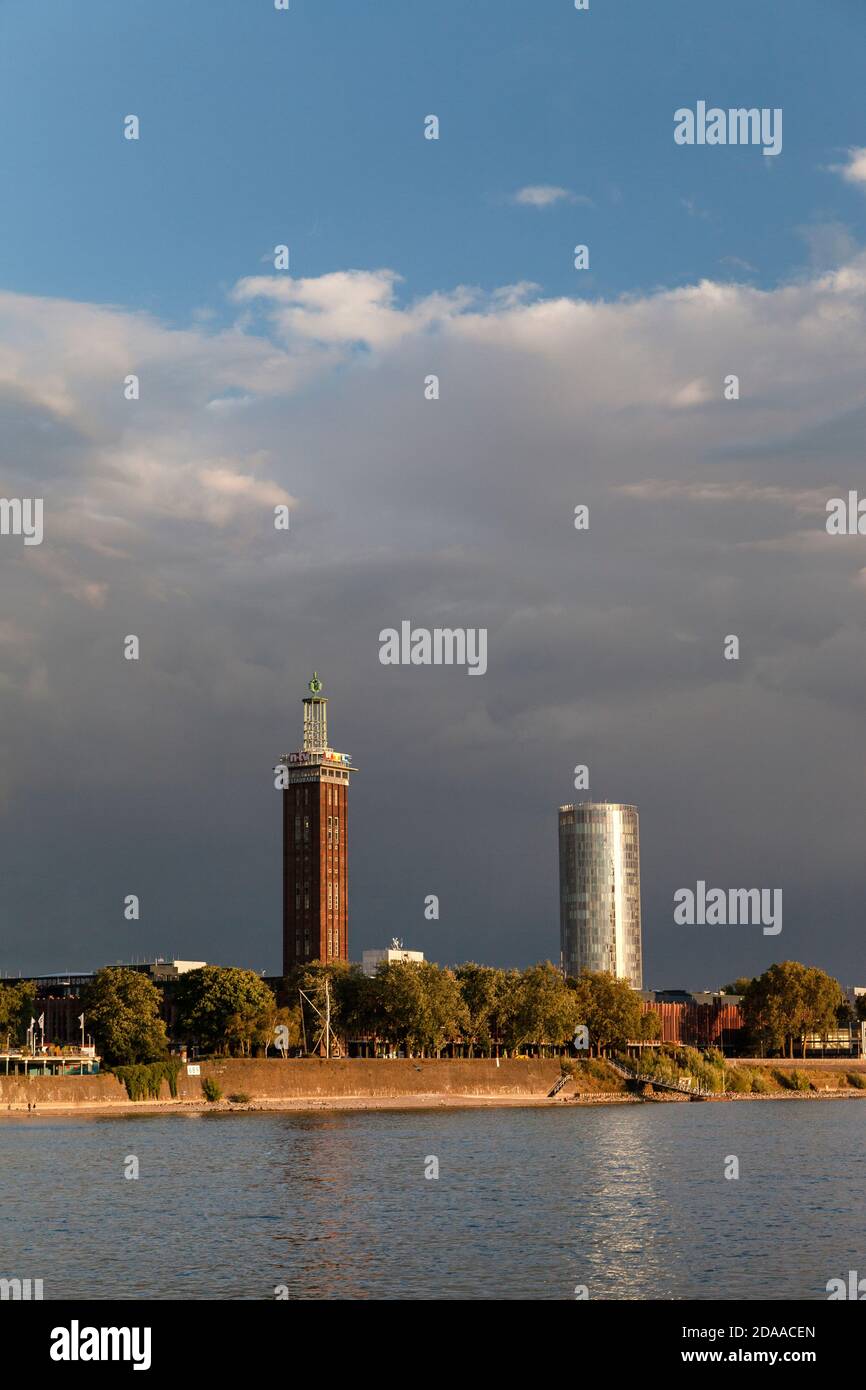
630	1201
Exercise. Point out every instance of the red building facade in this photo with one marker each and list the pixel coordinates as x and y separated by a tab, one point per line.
315	784
697	1024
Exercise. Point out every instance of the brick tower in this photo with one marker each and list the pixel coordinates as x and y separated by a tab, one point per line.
315	784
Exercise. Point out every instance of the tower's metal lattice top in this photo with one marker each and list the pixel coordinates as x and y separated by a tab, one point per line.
315	718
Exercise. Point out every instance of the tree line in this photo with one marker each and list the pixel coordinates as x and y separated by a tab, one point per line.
418	1008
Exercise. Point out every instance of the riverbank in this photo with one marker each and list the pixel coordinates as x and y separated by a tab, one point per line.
296	1084
93	1110
305	1104
317	1084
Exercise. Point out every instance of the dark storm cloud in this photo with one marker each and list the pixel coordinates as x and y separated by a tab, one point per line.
605	646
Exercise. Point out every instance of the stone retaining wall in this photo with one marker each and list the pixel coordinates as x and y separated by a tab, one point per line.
313	1078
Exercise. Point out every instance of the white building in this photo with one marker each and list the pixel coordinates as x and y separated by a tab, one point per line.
160	969
371	960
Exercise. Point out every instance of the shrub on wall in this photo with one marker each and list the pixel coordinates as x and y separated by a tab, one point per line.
143	1080
793	1080
739	1080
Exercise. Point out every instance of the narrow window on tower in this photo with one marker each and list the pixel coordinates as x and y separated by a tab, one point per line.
306	899
336	830
336	943
336	895
297	827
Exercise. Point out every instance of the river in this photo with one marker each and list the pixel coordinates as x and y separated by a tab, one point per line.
629	1202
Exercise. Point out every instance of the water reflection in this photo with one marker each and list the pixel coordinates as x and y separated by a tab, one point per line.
631	1202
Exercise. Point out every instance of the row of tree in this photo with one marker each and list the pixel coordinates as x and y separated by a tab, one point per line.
420	1008
424	1008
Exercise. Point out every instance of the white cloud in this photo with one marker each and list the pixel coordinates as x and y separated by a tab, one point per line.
669	489
545	195
830	244
854	168
346	307
694	210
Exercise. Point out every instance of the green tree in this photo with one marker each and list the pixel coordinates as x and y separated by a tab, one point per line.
222	1006
422	1006
445	1017
481	988
289	1018
650	1026
17	1007
325	985
359	1004
512	1024
545	1007
789	1001
738	986
402	1003
609	1008
122	1009
823	999
260	1033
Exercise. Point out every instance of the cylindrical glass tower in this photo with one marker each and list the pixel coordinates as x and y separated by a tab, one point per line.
599	889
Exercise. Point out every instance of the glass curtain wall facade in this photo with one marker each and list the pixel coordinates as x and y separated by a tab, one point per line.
599	890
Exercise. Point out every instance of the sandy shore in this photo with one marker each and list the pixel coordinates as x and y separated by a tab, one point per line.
86	1110
56	1110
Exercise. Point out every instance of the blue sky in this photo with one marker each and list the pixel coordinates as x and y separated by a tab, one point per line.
305	127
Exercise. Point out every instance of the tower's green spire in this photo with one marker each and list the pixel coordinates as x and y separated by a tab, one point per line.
315	683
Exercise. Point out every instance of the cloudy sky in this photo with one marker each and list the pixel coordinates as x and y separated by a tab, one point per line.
558	387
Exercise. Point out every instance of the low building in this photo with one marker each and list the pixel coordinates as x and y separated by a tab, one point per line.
58	997
395	953
51	1061
705	1019
160	969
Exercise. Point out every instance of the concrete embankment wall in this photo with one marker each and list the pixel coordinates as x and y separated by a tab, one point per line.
313	1078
